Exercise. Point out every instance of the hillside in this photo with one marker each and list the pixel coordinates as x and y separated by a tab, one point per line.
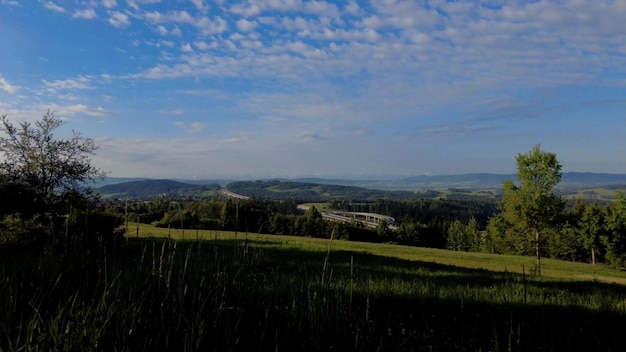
476	181
153	188
315	191
466	186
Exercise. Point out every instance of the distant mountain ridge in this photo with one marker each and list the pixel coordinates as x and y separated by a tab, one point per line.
474	181
477	181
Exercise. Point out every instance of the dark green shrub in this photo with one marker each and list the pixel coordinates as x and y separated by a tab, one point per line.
89	228
15	230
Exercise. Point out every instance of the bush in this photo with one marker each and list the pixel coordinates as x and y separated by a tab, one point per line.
100	227
15	230
88	228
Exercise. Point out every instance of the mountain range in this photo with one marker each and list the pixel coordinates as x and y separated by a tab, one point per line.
475	181
136	187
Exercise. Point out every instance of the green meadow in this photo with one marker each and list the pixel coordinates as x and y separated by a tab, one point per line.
173	290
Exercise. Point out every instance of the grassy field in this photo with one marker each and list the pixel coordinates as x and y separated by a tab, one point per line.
556	269
594	194
250	292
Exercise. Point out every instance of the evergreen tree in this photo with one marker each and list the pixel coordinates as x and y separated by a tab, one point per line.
592	230
615	238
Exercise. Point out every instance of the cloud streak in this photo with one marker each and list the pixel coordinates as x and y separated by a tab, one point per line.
7	87
87	14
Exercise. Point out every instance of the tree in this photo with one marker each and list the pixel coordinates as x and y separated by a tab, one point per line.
473	236
383	231
532	208
53	169
456	234
592	229
615	237
311	224
464	237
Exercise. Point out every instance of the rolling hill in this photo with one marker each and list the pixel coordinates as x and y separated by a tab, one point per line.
154	188
455	186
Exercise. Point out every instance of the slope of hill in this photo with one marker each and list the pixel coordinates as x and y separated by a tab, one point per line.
466	185
276	189
153	188
477	181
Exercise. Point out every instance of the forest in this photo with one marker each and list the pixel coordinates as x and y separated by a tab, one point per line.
583	232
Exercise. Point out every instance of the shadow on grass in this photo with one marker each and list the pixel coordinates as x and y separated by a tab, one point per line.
247	295
380	266
443	307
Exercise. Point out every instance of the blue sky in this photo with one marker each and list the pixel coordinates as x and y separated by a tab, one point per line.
288	88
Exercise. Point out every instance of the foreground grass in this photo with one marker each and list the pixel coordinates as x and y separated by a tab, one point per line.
238	292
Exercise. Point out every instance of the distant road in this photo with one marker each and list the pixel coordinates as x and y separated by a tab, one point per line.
369	219
233	195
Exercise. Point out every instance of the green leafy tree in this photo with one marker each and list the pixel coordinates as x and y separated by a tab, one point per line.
383	230
456	234
464	237
615	237
311	224
54	169
567	243
592	228
473	237
531	208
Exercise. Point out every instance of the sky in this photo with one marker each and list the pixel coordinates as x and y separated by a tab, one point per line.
304	88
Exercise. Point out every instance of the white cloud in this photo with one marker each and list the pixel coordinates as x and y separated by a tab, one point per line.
172	112
352	8
321	8
282	5
162	30
205	46
200	5
176	31
194	127
54	7
82	82
300	24
253	8
109	3
138	156
132	4
154	17
180	16
245	25
167	43
7	87
86	14
119	19
249	10
186	47
205	25
79	109
208	26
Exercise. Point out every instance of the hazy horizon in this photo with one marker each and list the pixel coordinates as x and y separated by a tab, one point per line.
345	178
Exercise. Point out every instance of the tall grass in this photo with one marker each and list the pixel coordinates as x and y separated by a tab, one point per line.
258	294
